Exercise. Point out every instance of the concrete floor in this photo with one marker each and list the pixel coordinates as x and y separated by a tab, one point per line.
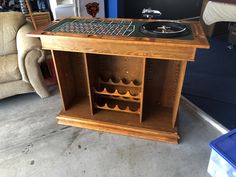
32	144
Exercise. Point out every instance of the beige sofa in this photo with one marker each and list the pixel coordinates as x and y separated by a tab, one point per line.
19	57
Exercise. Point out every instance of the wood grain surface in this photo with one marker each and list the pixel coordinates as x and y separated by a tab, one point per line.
125	85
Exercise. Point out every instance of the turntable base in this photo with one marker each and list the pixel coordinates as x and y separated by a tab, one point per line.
113	78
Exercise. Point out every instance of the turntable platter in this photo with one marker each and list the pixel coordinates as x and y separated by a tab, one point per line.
164	29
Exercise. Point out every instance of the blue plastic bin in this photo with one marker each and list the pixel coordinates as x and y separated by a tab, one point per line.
222	162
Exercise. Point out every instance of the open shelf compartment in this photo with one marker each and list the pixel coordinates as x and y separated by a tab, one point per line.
71	74
163	84
116	83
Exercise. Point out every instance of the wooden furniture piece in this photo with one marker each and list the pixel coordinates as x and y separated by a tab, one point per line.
31	17
121	84
40	18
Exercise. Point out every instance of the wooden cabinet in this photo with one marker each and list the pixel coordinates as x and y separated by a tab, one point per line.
41	18
135	96
121	84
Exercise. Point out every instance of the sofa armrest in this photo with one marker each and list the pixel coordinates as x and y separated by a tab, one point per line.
24	46
34	73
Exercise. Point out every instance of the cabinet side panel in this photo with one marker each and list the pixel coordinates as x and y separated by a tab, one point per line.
79	73
170	83
65	77
182	69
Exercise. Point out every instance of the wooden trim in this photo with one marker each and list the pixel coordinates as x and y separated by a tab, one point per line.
142	89
199	41
31	14
170	137
88	83
113	47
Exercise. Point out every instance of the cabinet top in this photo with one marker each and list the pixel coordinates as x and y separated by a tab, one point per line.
155	32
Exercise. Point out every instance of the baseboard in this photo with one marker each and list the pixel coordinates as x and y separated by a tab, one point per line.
203	115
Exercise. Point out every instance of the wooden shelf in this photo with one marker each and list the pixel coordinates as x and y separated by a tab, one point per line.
121	83
41	18
156	125
126	94
120	98
117	108
158	118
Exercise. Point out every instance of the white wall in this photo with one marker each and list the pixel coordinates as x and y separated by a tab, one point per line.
64	8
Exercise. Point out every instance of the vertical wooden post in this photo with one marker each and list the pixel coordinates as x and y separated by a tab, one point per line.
31	14
90	94
183	65
65	78
142	89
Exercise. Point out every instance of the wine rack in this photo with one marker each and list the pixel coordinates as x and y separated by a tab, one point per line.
122	82
122	100
120	107
115	84
117	93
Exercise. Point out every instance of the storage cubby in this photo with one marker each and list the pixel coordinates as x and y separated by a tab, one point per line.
116	83
73	83
162	89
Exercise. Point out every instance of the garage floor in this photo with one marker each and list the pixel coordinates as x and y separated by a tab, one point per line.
32	144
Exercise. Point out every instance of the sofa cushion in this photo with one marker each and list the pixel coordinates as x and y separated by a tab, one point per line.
10	22
9	70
